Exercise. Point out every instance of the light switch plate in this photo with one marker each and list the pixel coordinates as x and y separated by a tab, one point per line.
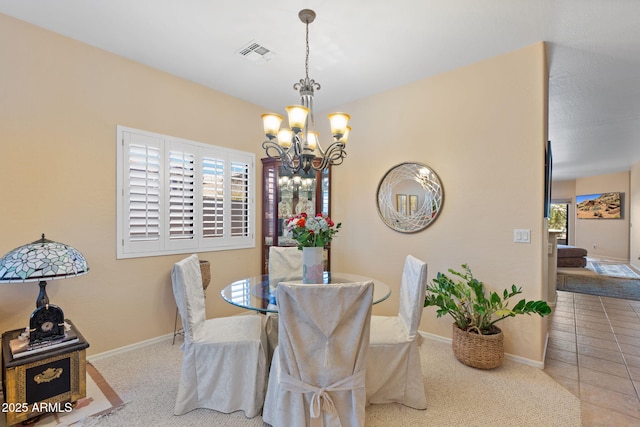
522	235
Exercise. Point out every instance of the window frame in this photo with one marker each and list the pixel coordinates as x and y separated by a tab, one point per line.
164	244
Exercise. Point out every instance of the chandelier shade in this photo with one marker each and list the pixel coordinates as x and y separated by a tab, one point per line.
345	137
298	146
297	117
271	123
284	138
40	261
338	124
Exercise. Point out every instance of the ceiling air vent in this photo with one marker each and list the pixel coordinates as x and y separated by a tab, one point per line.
256	52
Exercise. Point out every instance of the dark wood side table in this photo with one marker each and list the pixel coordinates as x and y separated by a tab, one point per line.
45	381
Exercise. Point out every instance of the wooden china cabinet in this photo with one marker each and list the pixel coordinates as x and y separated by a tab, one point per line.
285	194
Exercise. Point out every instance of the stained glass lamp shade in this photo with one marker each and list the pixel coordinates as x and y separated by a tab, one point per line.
40	261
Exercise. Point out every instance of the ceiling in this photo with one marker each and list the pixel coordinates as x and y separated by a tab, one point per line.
362	47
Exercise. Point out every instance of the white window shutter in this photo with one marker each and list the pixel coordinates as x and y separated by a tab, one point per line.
240	198
180	196
141	227
213	182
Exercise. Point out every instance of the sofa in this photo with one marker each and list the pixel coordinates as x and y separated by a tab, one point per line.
571	256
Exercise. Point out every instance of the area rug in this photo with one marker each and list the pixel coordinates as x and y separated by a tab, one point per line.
613	270
600	285
100	400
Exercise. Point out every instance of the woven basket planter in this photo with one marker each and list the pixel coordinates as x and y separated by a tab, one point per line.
478	351
205	270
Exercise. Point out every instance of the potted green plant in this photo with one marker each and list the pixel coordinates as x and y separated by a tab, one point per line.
477	341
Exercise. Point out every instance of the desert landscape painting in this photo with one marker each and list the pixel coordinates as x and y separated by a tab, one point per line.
599	206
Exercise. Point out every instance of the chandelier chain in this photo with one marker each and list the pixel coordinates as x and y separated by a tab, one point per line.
306	61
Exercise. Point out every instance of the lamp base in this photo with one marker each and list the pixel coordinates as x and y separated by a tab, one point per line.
43	298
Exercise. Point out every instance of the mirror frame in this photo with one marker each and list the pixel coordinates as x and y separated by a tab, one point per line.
426	214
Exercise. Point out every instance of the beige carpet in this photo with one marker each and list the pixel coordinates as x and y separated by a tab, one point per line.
457	395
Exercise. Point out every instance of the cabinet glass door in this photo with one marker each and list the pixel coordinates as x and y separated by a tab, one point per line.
297	194
286	194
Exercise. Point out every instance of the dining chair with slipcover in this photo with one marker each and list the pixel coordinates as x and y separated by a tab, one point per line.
223	364
285	262
317	375
394	374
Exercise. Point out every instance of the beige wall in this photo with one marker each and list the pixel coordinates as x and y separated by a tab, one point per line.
60	104
634	215
482	128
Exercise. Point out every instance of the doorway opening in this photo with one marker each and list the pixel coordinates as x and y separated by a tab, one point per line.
559	221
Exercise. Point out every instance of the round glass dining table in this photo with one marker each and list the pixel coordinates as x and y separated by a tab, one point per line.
259	293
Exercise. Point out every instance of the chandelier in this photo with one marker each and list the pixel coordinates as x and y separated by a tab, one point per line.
299	146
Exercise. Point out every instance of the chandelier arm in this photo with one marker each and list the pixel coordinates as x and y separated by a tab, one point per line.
296	144
290	162
319	148
275	151
270	147
287	161
334	156
335	152
296	159
322	165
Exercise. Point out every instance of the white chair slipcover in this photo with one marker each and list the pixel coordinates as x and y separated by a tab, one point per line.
394	374
317	375
285	262
223	365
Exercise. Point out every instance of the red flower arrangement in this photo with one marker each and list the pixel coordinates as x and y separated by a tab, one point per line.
312	231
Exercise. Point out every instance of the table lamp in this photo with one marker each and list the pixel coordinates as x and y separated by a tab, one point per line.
40	261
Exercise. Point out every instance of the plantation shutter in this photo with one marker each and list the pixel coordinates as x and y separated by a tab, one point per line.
181	195
142	191
213	181
240	199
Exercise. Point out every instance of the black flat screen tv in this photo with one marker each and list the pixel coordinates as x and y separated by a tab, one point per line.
548	165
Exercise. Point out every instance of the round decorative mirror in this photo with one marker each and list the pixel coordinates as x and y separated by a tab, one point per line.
409	197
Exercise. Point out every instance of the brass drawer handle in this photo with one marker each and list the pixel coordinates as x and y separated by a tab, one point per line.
48	375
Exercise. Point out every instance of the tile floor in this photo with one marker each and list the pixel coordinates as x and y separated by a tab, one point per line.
594	351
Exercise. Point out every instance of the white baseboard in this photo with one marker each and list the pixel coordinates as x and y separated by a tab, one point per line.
519	359
435	337
144	343
120	350
525	361
130	347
